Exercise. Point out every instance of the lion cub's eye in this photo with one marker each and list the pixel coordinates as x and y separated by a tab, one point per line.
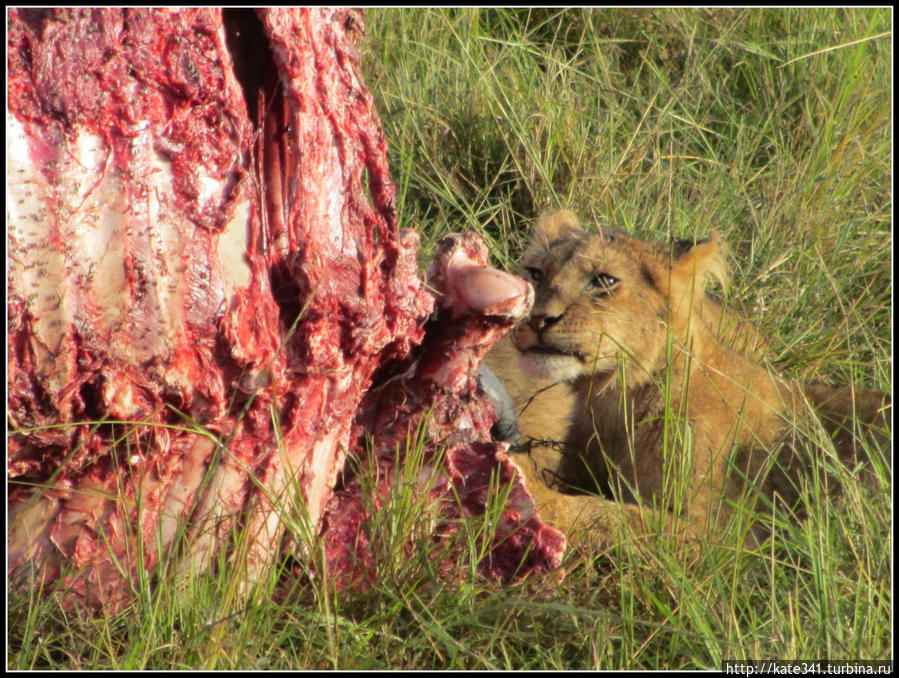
535	274
603	281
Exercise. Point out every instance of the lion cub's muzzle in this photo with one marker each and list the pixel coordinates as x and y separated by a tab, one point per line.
539	323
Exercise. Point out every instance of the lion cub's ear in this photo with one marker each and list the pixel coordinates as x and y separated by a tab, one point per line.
554	225
694	267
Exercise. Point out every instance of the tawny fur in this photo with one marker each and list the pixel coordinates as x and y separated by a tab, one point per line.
627	379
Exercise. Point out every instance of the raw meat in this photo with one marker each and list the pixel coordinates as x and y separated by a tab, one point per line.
204	276
435	389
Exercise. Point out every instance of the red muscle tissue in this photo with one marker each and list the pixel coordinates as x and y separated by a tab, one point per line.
209	302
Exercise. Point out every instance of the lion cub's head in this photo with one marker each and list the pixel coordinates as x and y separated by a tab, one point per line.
604	297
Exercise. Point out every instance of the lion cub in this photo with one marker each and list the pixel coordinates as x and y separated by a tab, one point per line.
627	380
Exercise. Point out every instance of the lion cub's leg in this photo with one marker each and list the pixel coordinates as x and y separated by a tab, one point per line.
848	413
857	420
596	522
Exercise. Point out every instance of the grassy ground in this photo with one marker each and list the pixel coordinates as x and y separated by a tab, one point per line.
771	126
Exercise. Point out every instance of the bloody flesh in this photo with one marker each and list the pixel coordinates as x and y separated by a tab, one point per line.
205	274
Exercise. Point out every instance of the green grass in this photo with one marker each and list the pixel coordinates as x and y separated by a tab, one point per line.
772	127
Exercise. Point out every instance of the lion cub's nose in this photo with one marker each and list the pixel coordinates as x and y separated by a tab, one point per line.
542	322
